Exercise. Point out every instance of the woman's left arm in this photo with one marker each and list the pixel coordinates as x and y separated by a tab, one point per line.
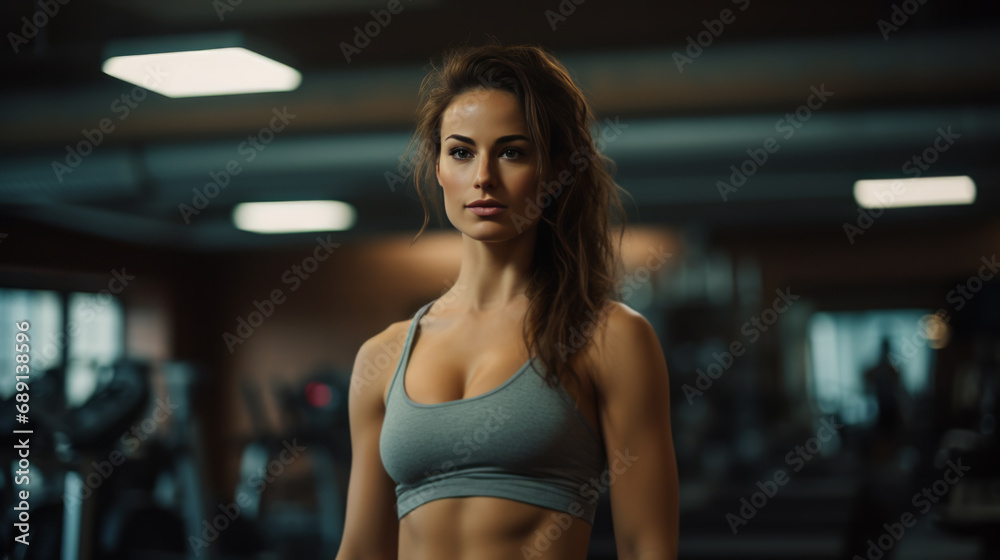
633	395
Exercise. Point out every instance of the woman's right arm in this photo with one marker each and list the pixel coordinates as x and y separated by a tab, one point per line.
371	528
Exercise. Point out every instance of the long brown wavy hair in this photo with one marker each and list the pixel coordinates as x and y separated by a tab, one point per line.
576	263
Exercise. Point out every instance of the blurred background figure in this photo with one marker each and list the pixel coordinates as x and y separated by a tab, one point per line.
884	383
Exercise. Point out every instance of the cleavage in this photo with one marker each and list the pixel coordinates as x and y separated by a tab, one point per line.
485	371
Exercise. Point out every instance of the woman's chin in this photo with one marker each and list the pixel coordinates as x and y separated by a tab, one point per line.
491	233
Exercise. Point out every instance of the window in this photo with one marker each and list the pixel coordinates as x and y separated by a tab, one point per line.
95	332
844	345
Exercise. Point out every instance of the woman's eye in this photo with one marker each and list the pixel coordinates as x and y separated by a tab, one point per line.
511	153
459	153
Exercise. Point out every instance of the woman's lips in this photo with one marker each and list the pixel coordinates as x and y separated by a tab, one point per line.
485	210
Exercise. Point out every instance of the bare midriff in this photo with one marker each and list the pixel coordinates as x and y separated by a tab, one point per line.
487	528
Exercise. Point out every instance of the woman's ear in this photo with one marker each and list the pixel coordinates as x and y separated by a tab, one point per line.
437	172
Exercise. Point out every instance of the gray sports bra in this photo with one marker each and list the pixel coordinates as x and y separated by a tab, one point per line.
521	441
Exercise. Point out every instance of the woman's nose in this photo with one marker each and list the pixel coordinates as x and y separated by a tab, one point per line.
484	174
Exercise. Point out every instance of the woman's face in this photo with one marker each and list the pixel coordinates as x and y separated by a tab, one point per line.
486	155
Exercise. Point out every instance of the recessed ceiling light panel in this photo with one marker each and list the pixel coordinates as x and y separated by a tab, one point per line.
198	66
920	191
294	216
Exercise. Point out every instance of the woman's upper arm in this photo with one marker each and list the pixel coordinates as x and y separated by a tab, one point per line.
630	373
371	527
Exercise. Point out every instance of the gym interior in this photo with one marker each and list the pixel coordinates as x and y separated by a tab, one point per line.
812	231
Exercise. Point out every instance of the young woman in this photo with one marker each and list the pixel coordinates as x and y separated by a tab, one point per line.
488	425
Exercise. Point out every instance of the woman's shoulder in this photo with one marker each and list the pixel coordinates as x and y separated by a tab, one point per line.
619	320
378	355
392	337
623	337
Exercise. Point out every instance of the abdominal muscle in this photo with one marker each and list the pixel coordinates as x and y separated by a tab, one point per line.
488	528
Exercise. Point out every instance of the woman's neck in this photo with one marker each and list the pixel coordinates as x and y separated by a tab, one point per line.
493	274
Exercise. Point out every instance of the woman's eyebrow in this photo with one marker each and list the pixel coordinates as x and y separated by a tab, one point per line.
501	140
511	138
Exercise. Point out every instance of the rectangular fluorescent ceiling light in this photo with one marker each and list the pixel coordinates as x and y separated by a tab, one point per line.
225	71
294	216
197	65
920	191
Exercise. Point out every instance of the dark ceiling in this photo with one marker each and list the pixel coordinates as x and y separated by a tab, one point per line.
679	129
